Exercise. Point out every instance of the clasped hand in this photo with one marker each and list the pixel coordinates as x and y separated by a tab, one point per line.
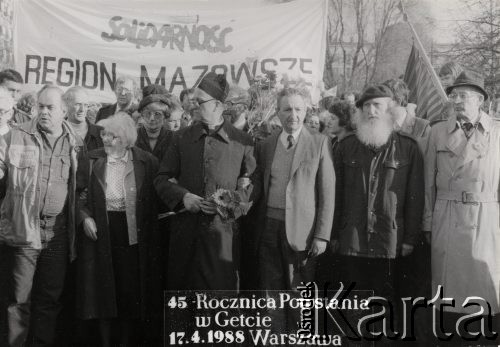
194	203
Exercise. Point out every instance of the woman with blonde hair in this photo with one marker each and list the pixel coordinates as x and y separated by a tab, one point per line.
117	250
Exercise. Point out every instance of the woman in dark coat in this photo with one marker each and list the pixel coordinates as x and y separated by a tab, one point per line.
117	251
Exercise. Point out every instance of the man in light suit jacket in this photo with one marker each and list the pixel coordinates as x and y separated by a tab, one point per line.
297	181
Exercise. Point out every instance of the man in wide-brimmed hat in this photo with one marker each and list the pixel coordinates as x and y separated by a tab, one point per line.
462	210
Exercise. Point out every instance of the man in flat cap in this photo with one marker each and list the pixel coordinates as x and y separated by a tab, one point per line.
204	157
379	196
462	210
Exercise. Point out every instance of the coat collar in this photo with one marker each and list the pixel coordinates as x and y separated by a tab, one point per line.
468	149
484	123
408	123
299	156
32	129
142	138
135	156
199	131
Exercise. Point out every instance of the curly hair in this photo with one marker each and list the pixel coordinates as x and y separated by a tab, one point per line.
344	111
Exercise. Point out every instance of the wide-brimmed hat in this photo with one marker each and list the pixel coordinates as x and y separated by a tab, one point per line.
372	92
471	79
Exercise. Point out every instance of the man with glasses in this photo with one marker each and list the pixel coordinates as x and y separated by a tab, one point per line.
462	210
237	104
77	102
206	156
124	90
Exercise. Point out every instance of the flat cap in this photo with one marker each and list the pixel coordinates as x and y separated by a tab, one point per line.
372	92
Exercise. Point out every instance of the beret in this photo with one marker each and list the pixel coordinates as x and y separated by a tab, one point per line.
372	92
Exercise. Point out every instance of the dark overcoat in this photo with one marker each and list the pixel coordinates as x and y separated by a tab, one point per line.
95	279
161	146
201	254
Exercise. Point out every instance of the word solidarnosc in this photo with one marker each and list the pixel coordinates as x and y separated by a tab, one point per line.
199	37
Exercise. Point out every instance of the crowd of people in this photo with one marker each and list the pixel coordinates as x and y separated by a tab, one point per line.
105	206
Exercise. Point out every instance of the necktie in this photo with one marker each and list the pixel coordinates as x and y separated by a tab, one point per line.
291	141
468	128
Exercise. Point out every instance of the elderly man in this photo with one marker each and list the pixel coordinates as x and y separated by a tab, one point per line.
295	169
204	157
191	112
379	199
462	210
77	102
13	82
237	104
124	89
37	217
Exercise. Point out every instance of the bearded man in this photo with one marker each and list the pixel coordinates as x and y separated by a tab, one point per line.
379	196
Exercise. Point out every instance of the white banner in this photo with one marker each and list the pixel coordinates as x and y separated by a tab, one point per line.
173	43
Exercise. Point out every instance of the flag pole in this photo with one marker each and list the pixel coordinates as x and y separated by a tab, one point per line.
420	46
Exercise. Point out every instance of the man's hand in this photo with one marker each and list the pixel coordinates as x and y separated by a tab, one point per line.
406	249
192	202
243	182
90	228
208	207
318	247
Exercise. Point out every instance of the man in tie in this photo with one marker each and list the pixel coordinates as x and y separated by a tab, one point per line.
462	210
297	181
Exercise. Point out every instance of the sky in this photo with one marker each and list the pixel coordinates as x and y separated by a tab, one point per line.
447	13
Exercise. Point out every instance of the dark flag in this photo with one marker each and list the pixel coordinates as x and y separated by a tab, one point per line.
425	89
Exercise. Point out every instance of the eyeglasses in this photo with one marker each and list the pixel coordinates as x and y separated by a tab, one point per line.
104	134
78	105
236	105
231	104
201	102
119	90
156	114
462	95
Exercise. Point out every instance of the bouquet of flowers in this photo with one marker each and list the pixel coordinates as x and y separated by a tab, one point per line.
229	204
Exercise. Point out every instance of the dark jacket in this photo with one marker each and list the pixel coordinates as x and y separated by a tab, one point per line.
105	111
201	246
93	138
379	196
95	279
162	144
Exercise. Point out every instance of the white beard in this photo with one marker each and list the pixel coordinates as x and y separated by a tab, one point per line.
373	132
